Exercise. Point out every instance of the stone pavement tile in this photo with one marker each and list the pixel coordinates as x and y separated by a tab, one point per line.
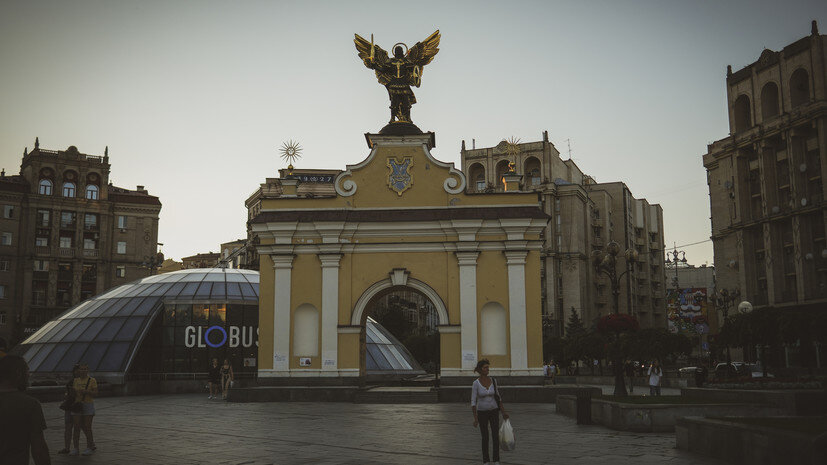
189	429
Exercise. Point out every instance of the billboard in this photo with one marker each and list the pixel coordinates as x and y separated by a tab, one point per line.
687	310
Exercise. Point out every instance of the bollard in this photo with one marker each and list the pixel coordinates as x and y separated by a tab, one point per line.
584	407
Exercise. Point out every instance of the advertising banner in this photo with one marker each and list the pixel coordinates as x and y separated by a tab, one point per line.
687	311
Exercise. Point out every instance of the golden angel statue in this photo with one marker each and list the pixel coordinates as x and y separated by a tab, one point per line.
400	72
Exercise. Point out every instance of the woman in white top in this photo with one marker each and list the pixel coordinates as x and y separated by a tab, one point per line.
655	374
486	405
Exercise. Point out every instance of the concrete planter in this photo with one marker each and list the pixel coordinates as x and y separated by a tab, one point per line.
652	418
747	444
792	401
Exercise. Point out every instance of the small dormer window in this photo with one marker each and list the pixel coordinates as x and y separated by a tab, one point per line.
68	189
92	192
45	187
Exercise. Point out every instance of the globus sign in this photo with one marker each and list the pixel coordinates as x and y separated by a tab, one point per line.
217	336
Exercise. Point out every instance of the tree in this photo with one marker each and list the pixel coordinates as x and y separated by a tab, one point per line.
575	324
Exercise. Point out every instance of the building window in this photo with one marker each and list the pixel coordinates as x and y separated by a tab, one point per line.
92	192
43	218
5	238
120	272
122	221
90	221
3	318
121	247
45	187
3	294
4	265
41	241
65	242
8	211
89	244
67	220
41	265
68	189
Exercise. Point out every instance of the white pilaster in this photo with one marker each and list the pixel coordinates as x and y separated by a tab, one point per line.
515	260
468	307
330	313
283	267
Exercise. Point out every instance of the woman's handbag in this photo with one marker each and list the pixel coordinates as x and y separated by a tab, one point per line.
507	439
70	405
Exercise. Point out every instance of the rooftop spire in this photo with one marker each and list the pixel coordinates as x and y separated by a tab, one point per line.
814	29
106	151
36	143
25	151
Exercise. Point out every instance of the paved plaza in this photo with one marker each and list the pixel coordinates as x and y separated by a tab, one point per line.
190	429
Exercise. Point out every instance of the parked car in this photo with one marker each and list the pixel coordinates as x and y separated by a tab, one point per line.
687	372
757	371
736	369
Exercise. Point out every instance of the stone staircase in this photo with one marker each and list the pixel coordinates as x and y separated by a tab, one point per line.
397	395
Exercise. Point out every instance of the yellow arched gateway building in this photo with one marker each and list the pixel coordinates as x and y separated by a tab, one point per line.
399	219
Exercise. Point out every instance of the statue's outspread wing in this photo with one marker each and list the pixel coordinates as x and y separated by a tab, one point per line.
379	60
423	52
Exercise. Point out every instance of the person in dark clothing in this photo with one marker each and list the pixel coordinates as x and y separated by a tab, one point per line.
68	422
215	379
700	376
21	417
629	369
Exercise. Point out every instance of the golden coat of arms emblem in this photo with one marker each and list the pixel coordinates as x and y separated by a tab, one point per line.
400	179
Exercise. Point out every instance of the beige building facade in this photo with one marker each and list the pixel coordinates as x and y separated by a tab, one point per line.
585	216
67	234
765	179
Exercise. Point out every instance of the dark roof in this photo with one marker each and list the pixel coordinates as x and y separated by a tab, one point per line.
431	214
15	183
119	194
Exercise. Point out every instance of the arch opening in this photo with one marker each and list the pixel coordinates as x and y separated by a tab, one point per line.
743	121
769	101
799	87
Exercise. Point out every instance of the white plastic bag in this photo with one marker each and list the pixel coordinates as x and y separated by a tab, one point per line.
507	439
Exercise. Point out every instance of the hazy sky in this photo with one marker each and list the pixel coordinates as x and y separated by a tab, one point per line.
194	98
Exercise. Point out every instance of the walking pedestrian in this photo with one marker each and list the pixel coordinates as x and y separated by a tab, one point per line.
486	406
68	421
226	377
214	378
22	425
655	374
553	370
86	388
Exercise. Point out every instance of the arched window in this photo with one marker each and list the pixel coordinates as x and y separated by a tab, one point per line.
306	331
493	329
477	173
769	101
743	121
92	192
502	168
532	171
799	87
68	189
45	187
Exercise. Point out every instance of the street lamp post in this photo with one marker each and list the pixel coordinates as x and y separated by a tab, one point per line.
724	300
606	263
675	258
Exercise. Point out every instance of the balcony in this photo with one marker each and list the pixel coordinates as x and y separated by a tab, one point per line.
42	250
66	252
90	253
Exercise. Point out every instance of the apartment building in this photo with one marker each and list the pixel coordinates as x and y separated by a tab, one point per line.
586	216
765	179
66	234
